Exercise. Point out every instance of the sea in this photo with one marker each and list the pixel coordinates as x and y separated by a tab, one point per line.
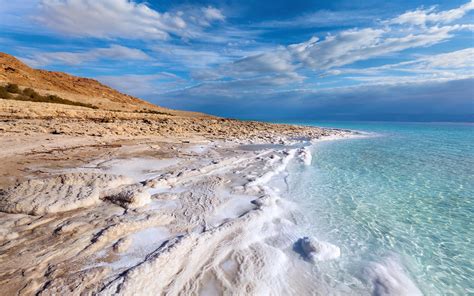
399	203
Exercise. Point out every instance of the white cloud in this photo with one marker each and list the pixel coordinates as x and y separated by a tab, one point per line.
326	55
341	49
421	17
433	77
254	66
213	14
144	85
117	19
283	66
428	100
278	61
274	68
437	68
321	18
455	64
255	85
456	59
114	52
189	57
336	50
351	46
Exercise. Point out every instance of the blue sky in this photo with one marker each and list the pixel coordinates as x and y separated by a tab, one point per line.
331	60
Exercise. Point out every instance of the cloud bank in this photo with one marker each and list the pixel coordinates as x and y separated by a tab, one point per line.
114	52
118	19
428	101
211	58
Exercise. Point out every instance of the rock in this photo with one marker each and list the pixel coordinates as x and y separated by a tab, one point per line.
122	245
264	201
131	197
315	250
5	234
304	154
68	227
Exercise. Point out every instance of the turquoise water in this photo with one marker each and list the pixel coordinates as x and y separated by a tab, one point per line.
401	202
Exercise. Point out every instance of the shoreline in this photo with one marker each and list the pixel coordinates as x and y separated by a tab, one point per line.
189	214
386	275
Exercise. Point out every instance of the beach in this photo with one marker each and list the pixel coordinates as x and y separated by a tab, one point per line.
149	205
245	148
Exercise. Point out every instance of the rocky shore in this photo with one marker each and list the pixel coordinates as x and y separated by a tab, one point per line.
104	202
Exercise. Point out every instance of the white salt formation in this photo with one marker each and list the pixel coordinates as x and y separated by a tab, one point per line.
281	164
304	154
207	225
388	278
315	250
133	196
58	194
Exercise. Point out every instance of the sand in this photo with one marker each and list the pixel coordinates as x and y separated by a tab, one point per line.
152	205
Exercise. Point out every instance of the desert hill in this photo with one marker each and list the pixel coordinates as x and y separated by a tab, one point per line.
73	88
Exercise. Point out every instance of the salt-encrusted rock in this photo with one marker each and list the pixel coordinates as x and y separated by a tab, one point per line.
60	193
388	277
122	245
315	250
5	234
165	180
264	201
304	154
68	227
133	196
260	202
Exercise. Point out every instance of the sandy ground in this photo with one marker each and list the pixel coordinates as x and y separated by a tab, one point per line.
114	203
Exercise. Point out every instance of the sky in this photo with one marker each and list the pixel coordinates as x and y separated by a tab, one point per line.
268	60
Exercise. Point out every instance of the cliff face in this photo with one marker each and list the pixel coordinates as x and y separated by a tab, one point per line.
84	90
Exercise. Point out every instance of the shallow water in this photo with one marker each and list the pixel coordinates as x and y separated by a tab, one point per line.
399	205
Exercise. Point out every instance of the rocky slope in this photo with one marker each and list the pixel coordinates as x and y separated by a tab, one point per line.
84	90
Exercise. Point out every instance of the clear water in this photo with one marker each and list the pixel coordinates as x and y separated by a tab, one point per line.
405	195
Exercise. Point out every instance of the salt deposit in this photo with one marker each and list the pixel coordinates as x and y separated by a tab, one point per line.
275	170
304	154
139	169
132	196
59	193
388	278
315	250
182	225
